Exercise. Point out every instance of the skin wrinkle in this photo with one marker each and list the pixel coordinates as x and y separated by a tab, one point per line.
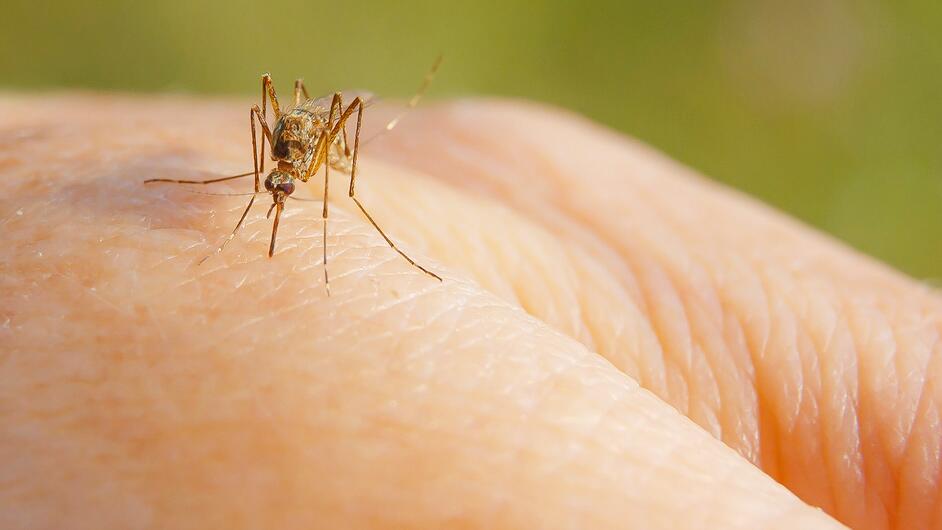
839	384
491	253
652	377
589	327
922	397
917	490
879	456
575	323
746	425
822	490
921	373
864	447
925	491
679	394
741	325
935	516
708	375
791	415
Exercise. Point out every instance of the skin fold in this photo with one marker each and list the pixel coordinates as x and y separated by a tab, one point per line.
597	298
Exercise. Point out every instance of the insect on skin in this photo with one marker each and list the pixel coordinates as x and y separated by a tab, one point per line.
311	134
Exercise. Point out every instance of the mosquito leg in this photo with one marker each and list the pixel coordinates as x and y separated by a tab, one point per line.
268	89
335	104
299	91
338	98
353	175
208	181
266	131
234	231
252	114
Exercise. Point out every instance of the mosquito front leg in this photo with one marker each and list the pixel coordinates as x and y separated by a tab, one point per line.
268	88
268	92
253	113
353	175
300	90
234	231
266	131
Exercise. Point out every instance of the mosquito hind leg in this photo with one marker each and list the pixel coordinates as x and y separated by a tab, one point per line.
353	175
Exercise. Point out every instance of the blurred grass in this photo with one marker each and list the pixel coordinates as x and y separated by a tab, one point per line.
830	110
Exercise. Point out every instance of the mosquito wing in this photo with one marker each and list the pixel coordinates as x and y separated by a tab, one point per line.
321	105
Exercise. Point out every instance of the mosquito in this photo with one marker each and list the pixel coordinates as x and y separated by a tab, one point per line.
310	135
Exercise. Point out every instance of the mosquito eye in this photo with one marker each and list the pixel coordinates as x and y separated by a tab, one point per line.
268	184
286	187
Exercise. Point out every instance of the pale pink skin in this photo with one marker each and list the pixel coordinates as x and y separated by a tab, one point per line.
140	390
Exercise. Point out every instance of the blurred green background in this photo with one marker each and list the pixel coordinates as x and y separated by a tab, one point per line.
830	110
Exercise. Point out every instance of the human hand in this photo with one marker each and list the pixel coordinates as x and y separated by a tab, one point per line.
142	390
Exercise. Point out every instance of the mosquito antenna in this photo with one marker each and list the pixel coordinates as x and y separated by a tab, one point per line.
423	88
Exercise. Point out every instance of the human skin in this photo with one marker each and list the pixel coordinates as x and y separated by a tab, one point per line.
597	297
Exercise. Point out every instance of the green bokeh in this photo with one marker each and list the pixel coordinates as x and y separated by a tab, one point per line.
830	110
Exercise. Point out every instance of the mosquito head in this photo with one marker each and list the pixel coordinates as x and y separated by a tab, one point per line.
280	184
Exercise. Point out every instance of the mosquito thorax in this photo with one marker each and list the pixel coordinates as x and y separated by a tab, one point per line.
291	136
